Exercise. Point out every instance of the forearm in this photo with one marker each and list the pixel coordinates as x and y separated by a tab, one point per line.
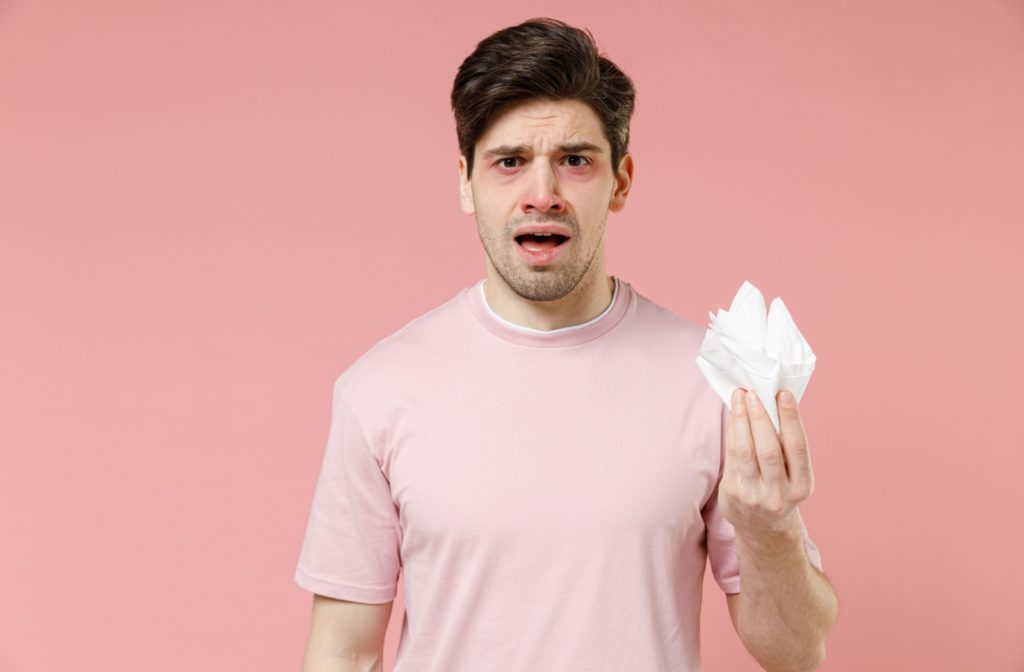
786	606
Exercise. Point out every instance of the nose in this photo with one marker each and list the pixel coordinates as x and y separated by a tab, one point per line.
542	191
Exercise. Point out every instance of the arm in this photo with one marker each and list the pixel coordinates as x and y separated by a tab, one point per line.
346	636
786	606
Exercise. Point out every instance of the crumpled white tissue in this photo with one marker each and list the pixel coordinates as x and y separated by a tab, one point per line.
749	347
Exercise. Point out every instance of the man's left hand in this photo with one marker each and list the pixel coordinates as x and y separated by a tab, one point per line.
766	475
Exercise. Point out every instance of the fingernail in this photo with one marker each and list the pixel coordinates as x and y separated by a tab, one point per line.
786	398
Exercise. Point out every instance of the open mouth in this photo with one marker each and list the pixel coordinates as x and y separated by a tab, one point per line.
533	242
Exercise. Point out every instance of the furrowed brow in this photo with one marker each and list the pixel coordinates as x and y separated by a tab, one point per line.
504	150
578	147
567	148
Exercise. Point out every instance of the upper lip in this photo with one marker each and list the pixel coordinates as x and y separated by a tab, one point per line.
541	228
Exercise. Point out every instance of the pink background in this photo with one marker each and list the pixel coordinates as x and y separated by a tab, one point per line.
210	209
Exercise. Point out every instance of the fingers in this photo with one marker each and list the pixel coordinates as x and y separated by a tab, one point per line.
794	443
770	458
742	455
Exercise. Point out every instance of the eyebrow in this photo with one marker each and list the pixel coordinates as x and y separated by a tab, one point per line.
570	147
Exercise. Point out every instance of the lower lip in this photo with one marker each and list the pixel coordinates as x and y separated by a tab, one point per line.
543	256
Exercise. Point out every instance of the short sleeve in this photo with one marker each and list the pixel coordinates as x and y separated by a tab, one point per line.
353	535
721	535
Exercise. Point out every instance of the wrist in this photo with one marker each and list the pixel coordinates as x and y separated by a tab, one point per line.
786	534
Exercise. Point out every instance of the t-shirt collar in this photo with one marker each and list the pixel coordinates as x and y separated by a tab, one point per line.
571	335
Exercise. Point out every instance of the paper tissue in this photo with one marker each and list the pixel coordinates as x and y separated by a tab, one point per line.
753	348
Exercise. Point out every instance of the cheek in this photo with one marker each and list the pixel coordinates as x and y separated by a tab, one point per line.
496	217
491	224
588	212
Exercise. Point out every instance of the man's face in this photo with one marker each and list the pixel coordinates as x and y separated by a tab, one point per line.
544	162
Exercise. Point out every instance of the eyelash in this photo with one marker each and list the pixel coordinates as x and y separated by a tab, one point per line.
512	158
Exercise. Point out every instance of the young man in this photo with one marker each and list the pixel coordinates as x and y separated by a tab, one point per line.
540	456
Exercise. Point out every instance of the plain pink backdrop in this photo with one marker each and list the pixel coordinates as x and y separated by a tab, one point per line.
210	209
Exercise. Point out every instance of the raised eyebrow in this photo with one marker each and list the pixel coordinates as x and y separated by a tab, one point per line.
567	148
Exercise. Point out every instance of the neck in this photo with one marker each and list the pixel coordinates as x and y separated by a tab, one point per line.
585	302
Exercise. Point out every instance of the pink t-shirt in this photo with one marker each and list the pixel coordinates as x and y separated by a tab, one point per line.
550	497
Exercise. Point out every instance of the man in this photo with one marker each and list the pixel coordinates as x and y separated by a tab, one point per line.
540	456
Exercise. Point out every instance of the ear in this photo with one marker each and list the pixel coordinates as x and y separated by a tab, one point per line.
623	181
465	189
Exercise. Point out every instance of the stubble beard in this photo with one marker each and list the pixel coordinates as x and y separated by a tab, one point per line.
538	283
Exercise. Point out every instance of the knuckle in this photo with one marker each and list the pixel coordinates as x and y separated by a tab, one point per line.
803	488
798	447
741	452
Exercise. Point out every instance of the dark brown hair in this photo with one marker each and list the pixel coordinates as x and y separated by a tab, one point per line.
540	58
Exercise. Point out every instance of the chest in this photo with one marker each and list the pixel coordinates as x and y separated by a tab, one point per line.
584	466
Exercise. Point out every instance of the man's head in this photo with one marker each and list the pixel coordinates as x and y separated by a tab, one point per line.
543	127
540	58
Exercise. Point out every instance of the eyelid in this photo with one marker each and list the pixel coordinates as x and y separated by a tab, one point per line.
589	160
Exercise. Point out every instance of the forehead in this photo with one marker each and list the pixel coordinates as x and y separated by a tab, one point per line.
540	119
